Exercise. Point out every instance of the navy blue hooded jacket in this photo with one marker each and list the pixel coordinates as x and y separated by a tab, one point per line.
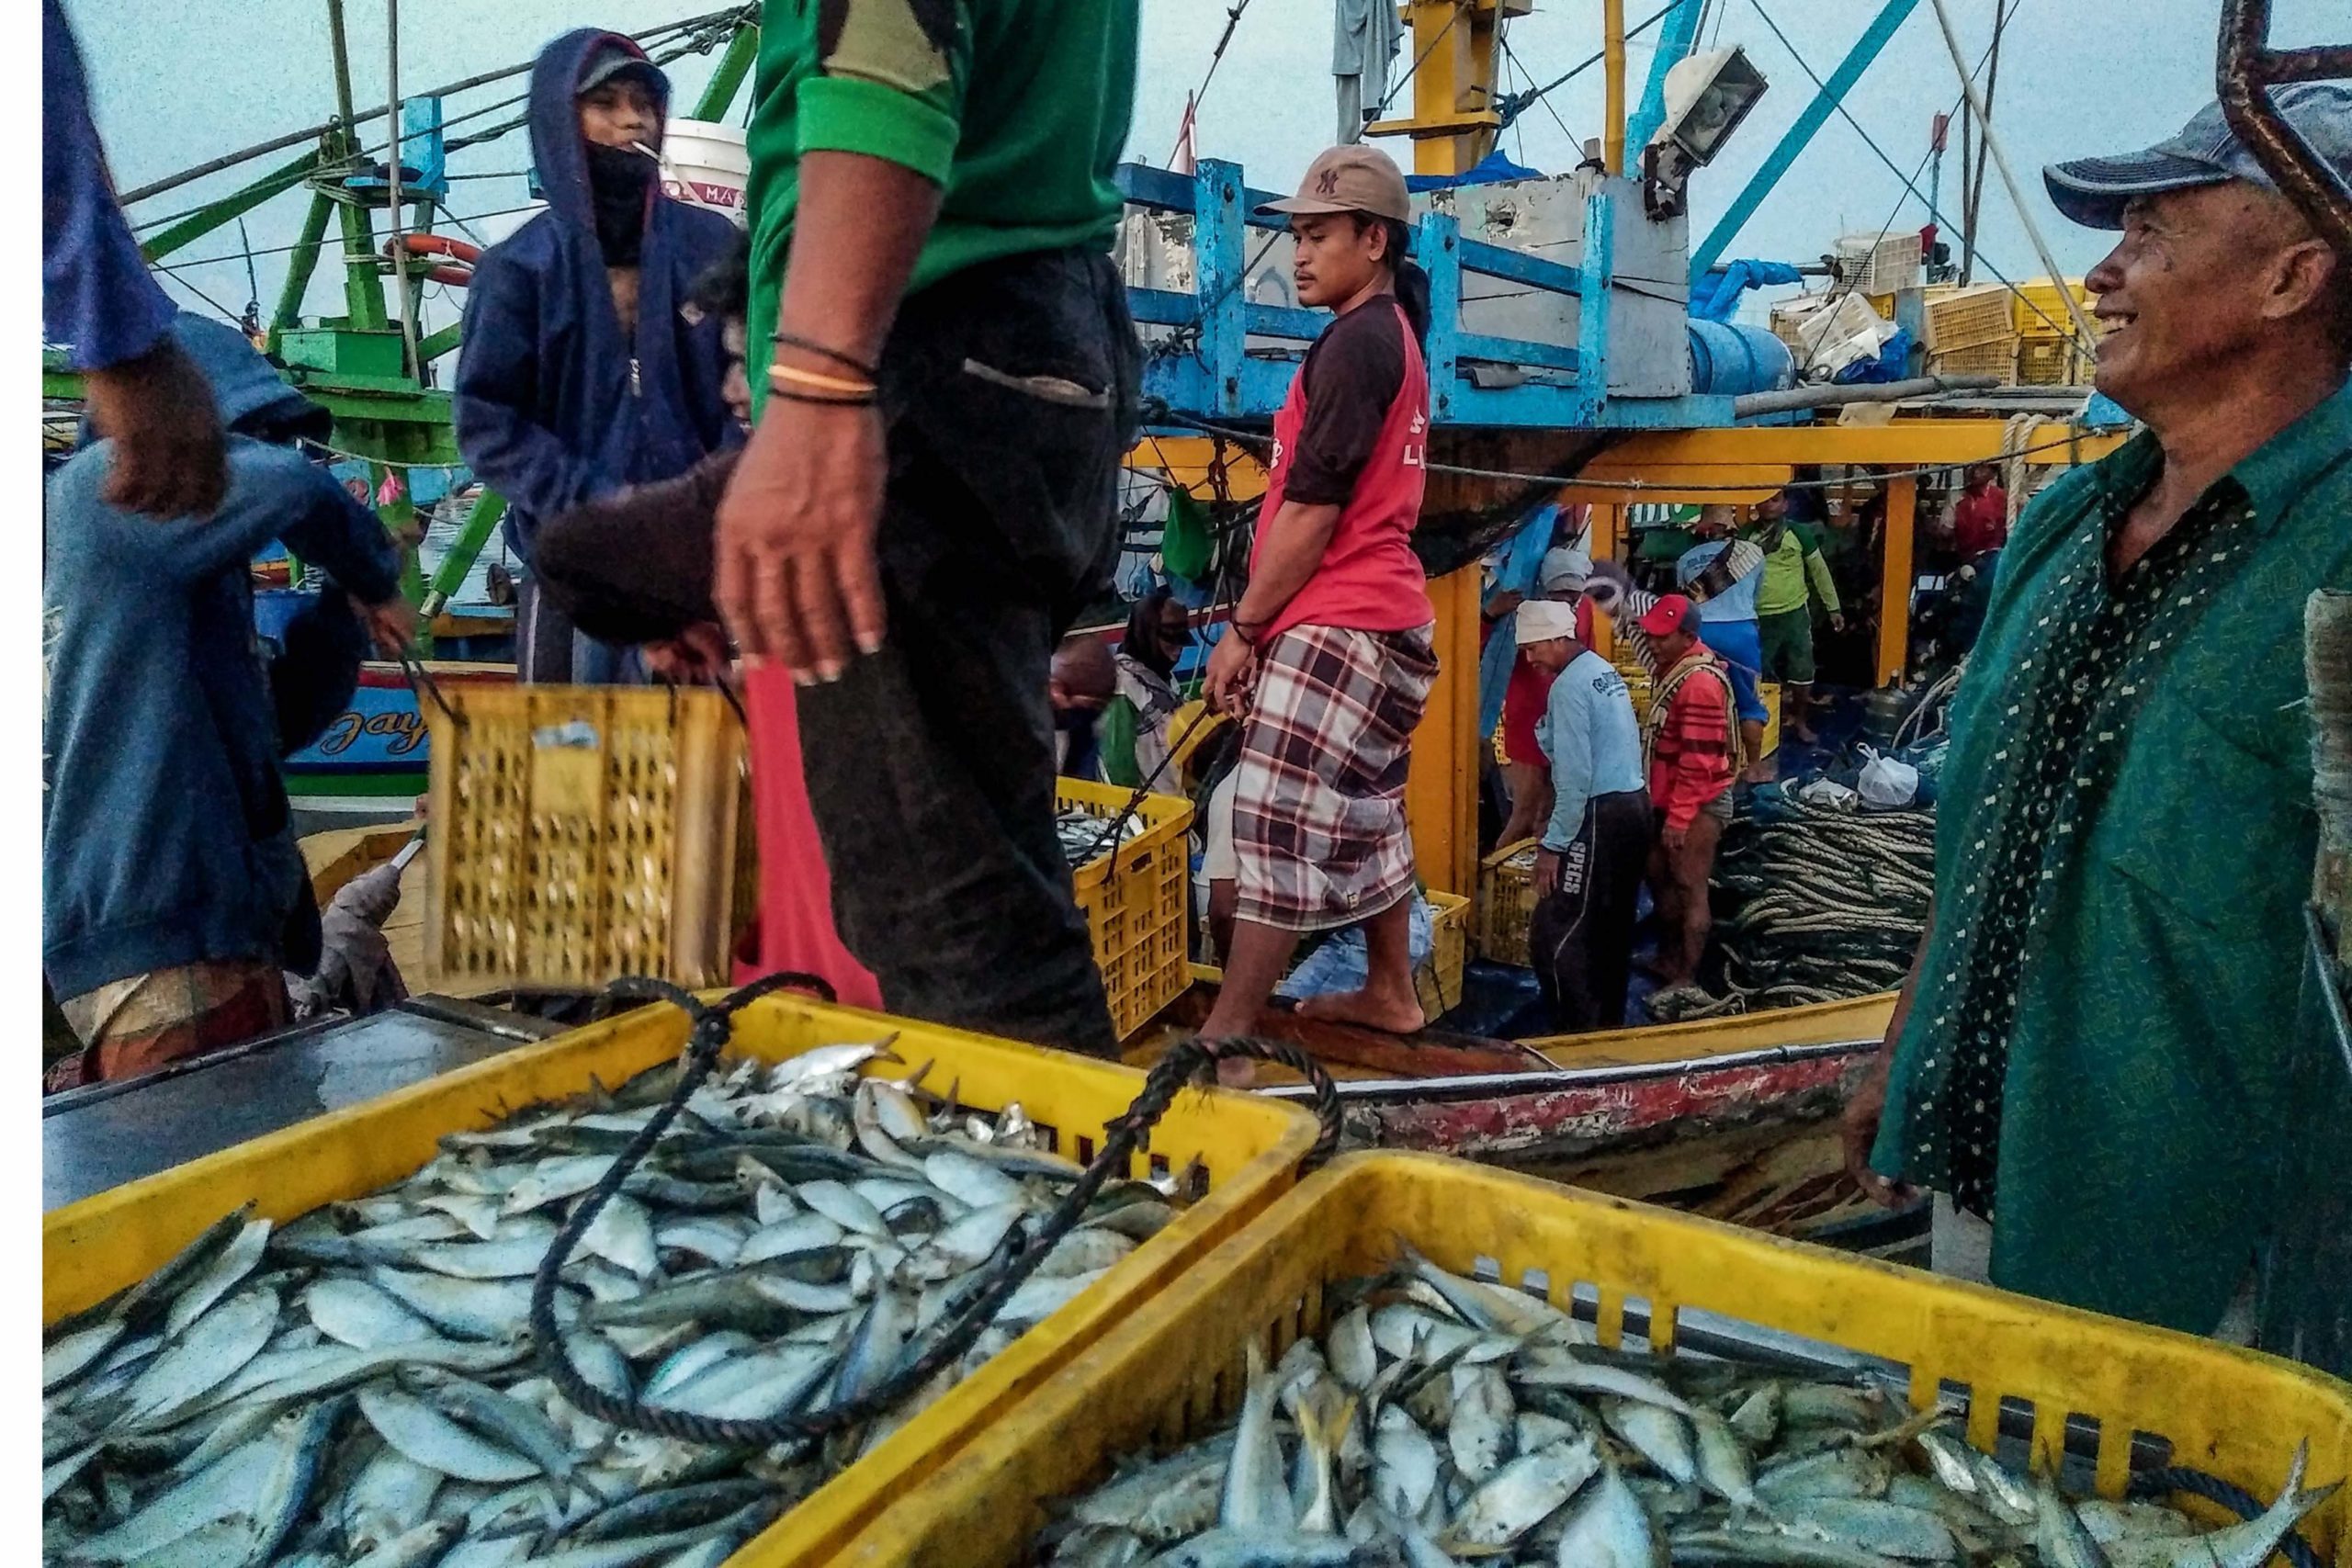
165	836
552	406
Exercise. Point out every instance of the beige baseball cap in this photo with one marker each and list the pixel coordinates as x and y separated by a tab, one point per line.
1351	179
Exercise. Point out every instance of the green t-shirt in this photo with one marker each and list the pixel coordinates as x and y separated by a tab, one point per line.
1017	109
1789	569
2150	1044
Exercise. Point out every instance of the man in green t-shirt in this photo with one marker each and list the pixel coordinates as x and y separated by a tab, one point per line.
2092	1066
1795	574
948	379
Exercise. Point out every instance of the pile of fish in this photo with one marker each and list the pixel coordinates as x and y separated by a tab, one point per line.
360	1387
1442	1420
1082	835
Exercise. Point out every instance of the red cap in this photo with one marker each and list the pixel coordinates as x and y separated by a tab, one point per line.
1665	617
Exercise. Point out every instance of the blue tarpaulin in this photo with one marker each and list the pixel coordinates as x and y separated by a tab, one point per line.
1717	296
1891	363
1493	169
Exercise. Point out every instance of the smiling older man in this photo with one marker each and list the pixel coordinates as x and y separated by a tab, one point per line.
2086	1068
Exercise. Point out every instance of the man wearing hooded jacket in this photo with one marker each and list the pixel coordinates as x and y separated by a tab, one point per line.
579	372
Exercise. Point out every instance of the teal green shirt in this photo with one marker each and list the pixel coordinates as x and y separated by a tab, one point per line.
2145	1086
1017	110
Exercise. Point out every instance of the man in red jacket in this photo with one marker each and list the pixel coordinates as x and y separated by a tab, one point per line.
1980	518
1691	746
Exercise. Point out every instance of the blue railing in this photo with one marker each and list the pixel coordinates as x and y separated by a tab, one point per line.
1206	369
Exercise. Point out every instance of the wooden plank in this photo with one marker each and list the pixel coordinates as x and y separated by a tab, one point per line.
1346	1052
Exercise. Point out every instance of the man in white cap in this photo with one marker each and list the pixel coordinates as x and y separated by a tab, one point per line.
2088	1067
1596	843
1560	579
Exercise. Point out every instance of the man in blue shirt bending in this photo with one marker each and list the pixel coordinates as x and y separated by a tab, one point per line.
1589	863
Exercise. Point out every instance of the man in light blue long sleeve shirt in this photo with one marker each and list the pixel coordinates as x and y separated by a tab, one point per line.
1589	867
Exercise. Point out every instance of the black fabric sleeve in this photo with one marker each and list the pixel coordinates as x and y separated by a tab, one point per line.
1352	376
636	566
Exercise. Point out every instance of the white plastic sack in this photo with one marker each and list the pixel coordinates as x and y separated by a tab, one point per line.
1888	783
1829	793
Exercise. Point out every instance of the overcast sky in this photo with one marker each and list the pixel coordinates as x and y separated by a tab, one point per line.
175	84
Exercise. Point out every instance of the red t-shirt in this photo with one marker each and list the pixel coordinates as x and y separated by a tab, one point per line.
1529	693
1981	522
1352	434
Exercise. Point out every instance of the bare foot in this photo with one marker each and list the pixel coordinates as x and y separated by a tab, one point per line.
1367	1009
1237	1072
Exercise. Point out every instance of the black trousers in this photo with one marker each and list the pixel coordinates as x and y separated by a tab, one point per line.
1580	939
1010	395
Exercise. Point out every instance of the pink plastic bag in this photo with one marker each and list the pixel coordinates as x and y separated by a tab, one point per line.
796	925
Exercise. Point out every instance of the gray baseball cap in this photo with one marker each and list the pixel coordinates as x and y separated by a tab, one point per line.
2093	191
612	59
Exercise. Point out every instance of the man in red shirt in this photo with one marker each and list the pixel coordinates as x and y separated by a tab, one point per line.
1328	658
1690	746
1980	518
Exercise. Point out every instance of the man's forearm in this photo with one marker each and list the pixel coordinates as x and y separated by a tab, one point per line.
1294	548
1901	1017
859	226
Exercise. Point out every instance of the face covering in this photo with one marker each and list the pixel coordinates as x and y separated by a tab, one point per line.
618	178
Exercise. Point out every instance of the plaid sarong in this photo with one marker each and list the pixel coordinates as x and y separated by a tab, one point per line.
1319	838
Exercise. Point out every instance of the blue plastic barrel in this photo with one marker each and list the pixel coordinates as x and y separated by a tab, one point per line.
1729	360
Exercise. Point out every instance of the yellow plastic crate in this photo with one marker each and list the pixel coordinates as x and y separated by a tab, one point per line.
1998	357
1249	1148
2051	362
1506	903
577	834
1175	1369
1968	317
2040	309
1135	899
1438	980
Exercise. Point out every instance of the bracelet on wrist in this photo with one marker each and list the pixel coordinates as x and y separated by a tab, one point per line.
821	399
796	376
810	345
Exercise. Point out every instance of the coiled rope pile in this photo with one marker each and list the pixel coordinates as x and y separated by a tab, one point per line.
1818	903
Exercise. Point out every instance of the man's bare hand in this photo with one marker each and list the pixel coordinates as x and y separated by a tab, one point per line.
392	625
1674	839
1836	621
1547	873
1232	670
1857	1131
796	579
170	457
697	656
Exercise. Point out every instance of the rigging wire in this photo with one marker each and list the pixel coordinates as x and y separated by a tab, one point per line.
226	313
1910	183
360	158
1973	201
1519	102
1216	55
462	219
1397	87
1511	119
